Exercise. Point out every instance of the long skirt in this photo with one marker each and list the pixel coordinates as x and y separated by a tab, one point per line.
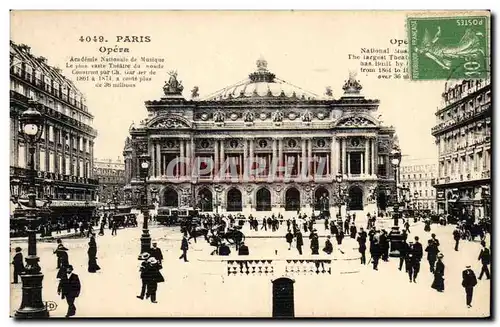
438	283
93	266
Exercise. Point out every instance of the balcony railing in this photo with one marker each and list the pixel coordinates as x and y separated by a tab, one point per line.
461	118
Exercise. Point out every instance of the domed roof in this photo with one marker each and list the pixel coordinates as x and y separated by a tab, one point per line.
259	84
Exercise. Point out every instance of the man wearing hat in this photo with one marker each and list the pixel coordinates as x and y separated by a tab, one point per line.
438	283
69	288
17	262
156	252
328	249
485	257
184	247
469	281
362	245
60	252
143	269
314	242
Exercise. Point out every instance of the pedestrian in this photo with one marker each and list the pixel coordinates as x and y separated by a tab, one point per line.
328	249
353	230
59	252
184	247
375	252
410	266
153	277
314	244
101	229
144	273
362	245
92	256
435	240
339	236
384	245
485	257
418	253
407	226
469	281
438	283
243	250
456	237
289	239
403	252
114	227
156	253
69	289
17	262
299	242
432	252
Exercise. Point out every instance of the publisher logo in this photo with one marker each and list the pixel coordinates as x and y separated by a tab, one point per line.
50	305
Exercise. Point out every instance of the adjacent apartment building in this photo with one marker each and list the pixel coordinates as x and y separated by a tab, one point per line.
417	177
463	137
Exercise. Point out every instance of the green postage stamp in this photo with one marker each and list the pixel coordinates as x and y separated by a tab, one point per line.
449	47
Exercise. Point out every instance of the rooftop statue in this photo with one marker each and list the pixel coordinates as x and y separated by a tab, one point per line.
173	86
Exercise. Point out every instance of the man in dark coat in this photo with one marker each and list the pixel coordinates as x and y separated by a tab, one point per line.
485	257
384	245
156	253
410	265
438	283
403	252
456	237
243	250
299	242
339	236
353	230
60	252
432	252
144	274
418	253
314	243
362	245
328	249
184	247
17	262
469	281
375	252
69	288
435	241
289	239
333	228
114	227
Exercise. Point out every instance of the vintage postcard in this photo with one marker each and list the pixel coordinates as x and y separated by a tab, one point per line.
272	164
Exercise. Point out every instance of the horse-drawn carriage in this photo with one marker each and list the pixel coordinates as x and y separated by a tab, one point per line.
167	216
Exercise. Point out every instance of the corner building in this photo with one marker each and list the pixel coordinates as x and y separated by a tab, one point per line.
64	155
463	138
271	121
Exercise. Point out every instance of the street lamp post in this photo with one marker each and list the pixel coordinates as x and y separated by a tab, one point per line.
144	161
395	235
339	178
32	305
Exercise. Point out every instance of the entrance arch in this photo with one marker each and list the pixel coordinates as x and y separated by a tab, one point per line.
263	200
382	200
292	199
234	200
205	200
355	198
321	199
171	198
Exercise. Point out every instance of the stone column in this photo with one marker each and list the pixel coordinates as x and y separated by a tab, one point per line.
251	157
274	160
366	171
245	159
344	156
363	166
333	154
373	157
280	157
304	169
194	169
188	158
182	154
158	159
348	164
309	157
216	157
222	157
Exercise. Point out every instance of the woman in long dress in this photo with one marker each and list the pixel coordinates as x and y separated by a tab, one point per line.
92	253
438	283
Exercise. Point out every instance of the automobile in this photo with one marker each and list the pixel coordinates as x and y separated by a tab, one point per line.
167	216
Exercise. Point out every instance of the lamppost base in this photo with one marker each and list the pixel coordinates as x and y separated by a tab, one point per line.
145	243
396	238
32	306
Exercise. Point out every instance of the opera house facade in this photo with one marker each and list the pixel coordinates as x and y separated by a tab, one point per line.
264	145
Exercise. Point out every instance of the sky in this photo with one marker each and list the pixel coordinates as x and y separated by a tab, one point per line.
216	49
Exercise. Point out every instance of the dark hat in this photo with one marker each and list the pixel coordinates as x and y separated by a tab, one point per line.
69	266
440	255
18	249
